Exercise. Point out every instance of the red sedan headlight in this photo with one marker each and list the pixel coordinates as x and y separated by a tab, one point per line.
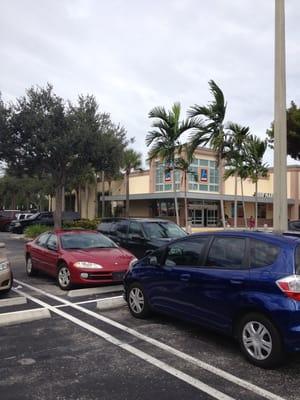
87	265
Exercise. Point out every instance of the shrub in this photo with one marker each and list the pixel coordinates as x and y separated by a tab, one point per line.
82	223
33	231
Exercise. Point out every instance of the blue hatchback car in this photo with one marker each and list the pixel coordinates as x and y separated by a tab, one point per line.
245	284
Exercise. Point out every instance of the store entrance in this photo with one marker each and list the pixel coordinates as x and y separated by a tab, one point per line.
203	213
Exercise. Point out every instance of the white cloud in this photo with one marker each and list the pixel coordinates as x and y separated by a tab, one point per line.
136	54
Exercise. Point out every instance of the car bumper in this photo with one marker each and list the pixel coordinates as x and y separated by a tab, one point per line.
6	280
288	319
15	229
92	277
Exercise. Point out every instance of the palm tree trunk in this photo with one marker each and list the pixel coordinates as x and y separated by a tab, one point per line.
186	202
256	203
78	198
243	200
221	192
235	200
103	194
58	206
175	198
127	195
96	197
86	200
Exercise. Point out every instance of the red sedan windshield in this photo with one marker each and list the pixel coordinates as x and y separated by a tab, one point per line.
88	240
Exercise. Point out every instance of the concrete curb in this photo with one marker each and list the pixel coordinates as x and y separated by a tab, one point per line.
106	304
13	301
95	290
19	317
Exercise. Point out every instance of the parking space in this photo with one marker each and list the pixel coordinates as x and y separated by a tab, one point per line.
89	351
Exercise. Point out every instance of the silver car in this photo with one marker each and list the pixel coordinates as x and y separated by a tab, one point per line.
6	277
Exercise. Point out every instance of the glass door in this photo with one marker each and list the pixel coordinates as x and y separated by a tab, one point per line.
212	217
197	216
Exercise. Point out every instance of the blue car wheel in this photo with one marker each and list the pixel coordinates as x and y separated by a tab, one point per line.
137	301
260	341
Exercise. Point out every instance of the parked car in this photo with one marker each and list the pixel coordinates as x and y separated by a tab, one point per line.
6	276
139	235
245	284
6	217
294	225
24	215
41	218
77	257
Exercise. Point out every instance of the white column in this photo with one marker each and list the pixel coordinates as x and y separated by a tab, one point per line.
280	170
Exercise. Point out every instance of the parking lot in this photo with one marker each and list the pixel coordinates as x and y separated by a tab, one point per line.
84	344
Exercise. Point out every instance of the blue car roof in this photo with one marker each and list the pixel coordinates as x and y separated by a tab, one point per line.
276	238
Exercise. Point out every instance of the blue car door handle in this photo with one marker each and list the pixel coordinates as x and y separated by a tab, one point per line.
185	277
236	282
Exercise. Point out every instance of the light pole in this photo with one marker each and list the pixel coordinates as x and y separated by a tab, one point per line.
280	132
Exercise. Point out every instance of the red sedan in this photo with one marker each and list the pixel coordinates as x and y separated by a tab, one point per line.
77	257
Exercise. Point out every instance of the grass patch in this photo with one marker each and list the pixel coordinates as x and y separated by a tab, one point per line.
34	231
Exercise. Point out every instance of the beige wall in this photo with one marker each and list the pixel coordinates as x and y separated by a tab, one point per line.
264	185
140	209
144	183
139	184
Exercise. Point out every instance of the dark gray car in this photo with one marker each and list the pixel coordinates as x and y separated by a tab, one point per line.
139	235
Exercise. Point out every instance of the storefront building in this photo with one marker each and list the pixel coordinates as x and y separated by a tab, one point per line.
152	194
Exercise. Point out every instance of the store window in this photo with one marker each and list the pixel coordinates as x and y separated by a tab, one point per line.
262	211
240	211
164	208
204	175
164	178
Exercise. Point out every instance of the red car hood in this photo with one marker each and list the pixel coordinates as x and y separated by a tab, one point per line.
109	257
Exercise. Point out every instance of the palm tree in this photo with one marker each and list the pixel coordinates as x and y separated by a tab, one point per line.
164	139
183	165
235	155
255	150
132	160
210	128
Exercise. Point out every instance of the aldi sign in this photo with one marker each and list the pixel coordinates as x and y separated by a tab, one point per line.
203	175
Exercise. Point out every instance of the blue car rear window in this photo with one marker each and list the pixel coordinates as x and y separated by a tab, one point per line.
262	253
297	260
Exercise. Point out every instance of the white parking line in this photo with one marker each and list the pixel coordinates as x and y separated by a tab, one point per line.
91	301
12	301
19	317
133	350
214	370
94	290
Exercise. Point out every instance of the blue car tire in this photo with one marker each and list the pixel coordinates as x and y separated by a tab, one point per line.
137	301
260	341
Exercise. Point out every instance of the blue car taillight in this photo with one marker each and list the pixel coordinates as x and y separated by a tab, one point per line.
290	286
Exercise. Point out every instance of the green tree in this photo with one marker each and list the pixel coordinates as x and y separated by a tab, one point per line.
210	129
43	136
108	156
164	139
23	193
293	131
131	161
255	150
237	137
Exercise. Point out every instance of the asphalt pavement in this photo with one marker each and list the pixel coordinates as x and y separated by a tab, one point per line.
76	350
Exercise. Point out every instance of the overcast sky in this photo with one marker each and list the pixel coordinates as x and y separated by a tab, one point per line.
134	55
